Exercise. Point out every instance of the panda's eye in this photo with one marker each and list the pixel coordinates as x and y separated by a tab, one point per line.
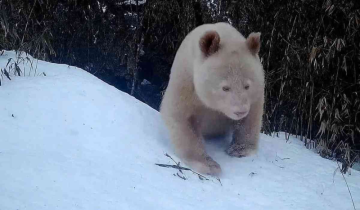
226	88
247	87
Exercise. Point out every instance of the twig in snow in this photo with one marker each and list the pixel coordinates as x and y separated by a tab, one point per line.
177	166
281	157
252	174
7	74
347	186
167	155
277	165
181	177
219	181
173	166
177	163
201	177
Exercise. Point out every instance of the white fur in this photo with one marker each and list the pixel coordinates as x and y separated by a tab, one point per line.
195	104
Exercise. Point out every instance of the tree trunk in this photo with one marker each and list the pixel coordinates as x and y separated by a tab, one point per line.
136	48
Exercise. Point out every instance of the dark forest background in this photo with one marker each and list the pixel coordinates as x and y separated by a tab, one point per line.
310	52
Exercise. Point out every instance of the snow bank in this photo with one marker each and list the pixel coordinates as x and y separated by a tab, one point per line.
70	141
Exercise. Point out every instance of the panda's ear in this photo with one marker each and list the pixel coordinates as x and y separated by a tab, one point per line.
209	43
253	42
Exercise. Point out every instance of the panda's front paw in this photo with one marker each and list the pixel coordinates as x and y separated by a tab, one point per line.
239	150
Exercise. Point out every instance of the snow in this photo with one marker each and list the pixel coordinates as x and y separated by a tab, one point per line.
70	141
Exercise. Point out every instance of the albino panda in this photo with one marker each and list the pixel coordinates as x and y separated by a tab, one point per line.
216	86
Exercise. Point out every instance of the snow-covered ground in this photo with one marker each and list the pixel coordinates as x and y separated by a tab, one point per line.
70	141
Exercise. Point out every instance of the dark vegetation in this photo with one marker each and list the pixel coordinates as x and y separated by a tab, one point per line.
310	52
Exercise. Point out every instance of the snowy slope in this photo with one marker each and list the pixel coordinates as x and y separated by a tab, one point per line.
70	141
